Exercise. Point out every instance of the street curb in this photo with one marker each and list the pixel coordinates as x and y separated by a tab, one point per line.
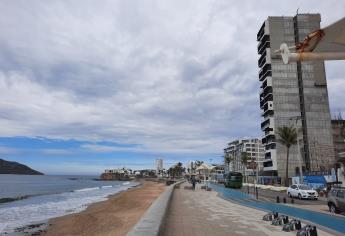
152	222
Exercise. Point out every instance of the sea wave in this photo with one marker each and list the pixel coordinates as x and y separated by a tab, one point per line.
86	189
107	186
41	208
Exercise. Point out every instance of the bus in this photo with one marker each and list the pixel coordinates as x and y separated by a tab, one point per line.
233	180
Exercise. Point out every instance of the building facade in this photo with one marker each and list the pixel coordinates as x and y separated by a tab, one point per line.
293	95
338	131
255	152
159	166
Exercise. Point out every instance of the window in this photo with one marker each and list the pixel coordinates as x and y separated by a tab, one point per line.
304	187
341	194
334	193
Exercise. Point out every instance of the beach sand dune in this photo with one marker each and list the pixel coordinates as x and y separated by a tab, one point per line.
115	216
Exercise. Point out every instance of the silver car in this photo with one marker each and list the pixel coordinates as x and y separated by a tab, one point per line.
336	200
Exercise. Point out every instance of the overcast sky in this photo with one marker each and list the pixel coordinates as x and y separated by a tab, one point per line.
93	84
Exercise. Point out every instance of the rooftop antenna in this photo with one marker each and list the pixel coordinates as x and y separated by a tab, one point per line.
297	11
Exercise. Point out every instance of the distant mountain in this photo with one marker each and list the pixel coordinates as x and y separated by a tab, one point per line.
11	167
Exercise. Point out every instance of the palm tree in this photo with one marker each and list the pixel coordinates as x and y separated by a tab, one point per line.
244	159
287	137
198	163
228	159
179	169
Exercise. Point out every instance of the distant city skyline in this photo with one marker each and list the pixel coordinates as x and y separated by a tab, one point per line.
89	85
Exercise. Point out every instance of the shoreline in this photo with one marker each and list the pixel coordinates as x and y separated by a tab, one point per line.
114	216
42	207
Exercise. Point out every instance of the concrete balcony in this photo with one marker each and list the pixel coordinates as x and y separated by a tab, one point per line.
267	82
268	109
262	31
265	58
265	98
263	44
270	162
265	71
267	123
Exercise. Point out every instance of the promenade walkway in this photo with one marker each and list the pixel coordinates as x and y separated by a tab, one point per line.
204	213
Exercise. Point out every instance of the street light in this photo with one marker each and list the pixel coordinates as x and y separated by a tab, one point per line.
296	118
257	169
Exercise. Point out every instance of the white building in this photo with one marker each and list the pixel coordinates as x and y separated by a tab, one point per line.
190	166
255	152
159	166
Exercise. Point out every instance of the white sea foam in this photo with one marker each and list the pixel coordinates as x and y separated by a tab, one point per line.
86	189
107	186
42	208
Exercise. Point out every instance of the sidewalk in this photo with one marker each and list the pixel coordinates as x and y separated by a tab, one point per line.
204	213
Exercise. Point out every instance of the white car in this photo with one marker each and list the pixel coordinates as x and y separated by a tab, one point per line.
302	191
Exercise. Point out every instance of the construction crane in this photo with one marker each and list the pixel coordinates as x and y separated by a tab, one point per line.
323	44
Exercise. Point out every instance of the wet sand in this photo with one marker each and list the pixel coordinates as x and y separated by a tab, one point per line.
115	216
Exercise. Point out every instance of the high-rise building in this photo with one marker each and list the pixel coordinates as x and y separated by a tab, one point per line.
159	165
290	91
338	127
255	152
190	167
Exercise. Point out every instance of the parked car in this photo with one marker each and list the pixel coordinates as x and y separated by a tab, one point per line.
336	200
302	191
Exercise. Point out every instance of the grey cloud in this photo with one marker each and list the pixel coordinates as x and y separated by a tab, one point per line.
170	75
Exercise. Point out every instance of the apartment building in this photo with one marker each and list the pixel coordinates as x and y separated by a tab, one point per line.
255	151
293	95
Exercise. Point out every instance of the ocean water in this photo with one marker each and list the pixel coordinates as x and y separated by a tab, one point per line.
44	197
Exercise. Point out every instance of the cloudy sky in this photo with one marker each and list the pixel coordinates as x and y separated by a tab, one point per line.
86	85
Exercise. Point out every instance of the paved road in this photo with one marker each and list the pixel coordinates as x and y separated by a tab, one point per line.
204	213
269	195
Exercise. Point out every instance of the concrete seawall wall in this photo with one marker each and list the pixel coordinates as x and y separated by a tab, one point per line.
152	222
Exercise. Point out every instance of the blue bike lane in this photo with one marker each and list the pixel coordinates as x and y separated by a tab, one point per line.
336	223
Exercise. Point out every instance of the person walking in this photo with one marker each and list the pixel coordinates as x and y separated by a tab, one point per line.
193	182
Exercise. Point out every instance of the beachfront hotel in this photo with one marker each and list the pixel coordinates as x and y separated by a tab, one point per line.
293	95
255	151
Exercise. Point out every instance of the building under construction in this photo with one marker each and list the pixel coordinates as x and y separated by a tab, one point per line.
293	95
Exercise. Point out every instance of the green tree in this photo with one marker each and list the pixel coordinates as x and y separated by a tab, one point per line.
228	159
198	163
179	169
287	137
176	170
244	159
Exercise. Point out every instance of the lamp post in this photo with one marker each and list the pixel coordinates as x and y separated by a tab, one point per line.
257	169
296	118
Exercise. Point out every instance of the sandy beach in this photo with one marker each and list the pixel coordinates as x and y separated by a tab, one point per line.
115	216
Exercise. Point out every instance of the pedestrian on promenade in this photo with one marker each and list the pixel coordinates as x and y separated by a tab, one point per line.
193	182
